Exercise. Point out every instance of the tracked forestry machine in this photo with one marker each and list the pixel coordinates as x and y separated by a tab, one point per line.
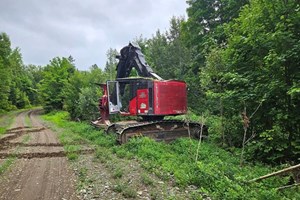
148	97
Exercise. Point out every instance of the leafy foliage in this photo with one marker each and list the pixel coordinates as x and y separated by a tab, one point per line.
15	81
55	77
256	70
82	93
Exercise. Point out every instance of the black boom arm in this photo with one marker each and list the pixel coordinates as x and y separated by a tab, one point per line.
132	56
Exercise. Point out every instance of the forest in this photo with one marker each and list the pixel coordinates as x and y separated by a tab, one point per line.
240	60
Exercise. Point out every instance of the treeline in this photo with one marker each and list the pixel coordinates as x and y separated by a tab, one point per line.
17	88
239	58
56	86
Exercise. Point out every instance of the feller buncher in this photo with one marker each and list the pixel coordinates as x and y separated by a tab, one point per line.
148	97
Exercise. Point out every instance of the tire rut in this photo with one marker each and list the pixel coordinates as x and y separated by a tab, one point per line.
44	154
18	132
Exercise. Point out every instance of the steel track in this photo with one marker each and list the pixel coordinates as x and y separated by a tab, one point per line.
165	130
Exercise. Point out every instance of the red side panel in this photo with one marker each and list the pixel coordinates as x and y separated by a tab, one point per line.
170	97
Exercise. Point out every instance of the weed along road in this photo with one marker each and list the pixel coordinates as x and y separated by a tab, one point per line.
34	165
74	161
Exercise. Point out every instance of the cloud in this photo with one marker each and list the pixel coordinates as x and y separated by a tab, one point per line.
83	29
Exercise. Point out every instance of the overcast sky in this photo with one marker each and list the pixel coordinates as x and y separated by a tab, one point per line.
85	29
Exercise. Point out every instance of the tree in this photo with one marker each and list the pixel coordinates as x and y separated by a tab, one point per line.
15	82
111	63
35	75
202	32
21	83
258	69
72	91
5	72
82	93
88	104
206	20
166	53
55	77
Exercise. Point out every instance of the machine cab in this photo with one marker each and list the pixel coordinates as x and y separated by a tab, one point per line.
114	105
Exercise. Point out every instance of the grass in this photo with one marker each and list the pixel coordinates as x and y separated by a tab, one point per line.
118	172
127	191
6	120
119	187
9	161
216	173
28	120
146	179
154	195
71	142
2	130
84	180
72	151
26	139
6	164
103	154
72	156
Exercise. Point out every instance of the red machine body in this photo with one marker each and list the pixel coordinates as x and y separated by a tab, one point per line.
170	97
161	98
148	98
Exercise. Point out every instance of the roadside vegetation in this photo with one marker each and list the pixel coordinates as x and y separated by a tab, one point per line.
6	119
28	120
6	164
217	173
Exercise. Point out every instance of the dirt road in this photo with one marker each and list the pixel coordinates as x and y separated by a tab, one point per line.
40	169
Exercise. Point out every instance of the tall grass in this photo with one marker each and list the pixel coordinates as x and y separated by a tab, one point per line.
6	120
216	172
6	164
28	120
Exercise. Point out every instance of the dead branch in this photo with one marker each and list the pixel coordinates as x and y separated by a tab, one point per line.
246	123
288	186
289	169
251	137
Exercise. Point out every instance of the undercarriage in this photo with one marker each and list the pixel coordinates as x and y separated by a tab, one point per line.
164	130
